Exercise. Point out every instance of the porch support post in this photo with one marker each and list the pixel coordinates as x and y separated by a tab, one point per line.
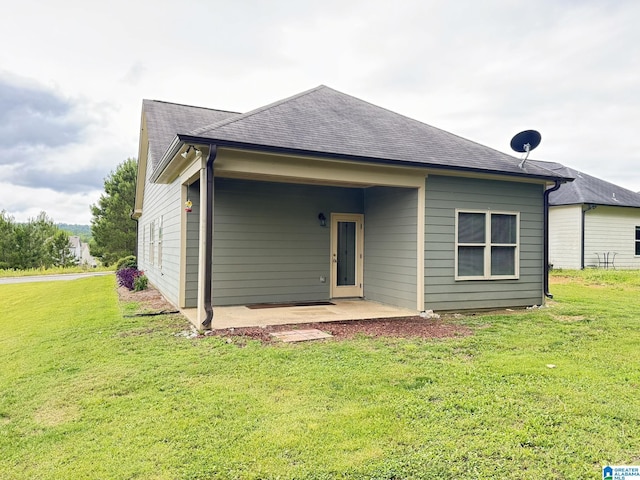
420	247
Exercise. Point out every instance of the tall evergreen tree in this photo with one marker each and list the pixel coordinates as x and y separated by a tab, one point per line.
7	239
113	229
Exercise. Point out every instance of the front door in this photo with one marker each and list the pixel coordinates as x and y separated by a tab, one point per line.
347	250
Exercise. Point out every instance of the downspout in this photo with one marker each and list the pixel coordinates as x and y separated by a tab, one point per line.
135	249
582	237
208	250
546	237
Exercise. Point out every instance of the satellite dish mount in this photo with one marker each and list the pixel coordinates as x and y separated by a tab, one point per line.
524	142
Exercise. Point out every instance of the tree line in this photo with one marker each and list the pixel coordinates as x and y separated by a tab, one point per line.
39	243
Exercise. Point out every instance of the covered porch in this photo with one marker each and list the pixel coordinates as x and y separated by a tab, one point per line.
275	232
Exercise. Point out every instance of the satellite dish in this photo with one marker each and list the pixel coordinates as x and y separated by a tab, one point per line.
524	142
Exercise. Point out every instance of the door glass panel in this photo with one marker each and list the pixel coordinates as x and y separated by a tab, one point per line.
346	253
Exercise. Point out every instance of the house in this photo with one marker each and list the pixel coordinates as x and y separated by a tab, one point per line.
324	196
75	247
80	251
592	223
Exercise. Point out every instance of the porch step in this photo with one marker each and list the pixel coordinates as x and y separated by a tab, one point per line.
300	335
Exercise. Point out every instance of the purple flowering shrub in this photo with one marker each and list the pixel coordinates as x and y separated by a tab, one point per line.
127	276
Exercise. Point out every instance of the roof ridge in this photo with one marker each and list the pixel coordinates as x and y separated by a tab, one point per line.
145	100
250	113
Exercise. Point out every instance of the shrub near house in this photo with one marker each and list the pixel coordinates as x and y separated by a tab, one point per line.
129	276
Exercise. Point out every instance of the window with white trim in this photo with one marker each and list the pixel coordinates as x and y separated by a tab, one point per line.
637	241
145	251
160	221
487	245
152	232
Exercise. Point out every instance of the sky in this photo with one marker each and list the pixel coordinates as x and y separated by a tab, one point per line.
73	75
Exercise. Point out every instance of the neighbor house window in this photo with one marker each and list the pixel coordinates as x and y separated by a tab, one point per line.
160	221
638	241
487	245
152	232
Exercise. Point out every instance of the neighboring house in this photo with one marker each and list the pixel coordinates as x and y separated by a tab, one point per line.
80	251
322	195
75	247
85	256
592	223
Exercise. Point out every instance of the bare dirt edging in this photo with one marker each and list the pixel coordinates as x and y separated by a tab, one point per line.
150	301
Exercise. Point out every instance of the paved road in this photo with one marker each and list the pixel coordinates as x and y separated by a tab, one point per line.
51	278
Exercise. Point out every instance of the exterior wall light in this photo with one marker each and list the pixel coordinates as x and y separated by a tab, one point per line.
185	154
322	219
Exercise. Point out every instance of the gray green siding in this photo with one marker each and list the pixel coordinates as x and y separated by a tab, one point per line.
162	201
443	196
390	246
268	244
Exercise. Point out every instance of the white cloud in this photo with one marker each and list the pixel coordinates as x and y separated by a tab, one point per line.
482	70
62	207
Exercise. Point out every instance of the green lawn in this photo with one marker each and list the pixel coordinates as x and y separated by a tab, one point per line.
86	393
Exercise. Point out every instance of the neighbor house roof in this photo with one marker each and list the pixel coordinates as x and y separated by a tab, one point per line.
588	189
330	123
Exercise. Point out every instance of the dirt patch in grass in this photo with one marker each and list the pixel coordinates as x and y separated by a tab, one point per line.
54	415
569	318
150	300
559	280
402	327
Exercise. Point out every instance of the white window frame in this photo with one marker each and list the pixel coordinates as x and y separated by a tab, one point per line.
145	250
152	232
636	244
160	226
487	246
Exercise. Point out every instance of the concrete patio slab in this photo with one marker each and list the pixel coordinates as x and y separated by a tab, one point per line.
351	309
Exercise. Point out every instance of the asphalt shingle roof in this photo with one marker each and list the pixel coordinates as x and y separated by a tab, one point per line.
588	189
325	121
165	120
